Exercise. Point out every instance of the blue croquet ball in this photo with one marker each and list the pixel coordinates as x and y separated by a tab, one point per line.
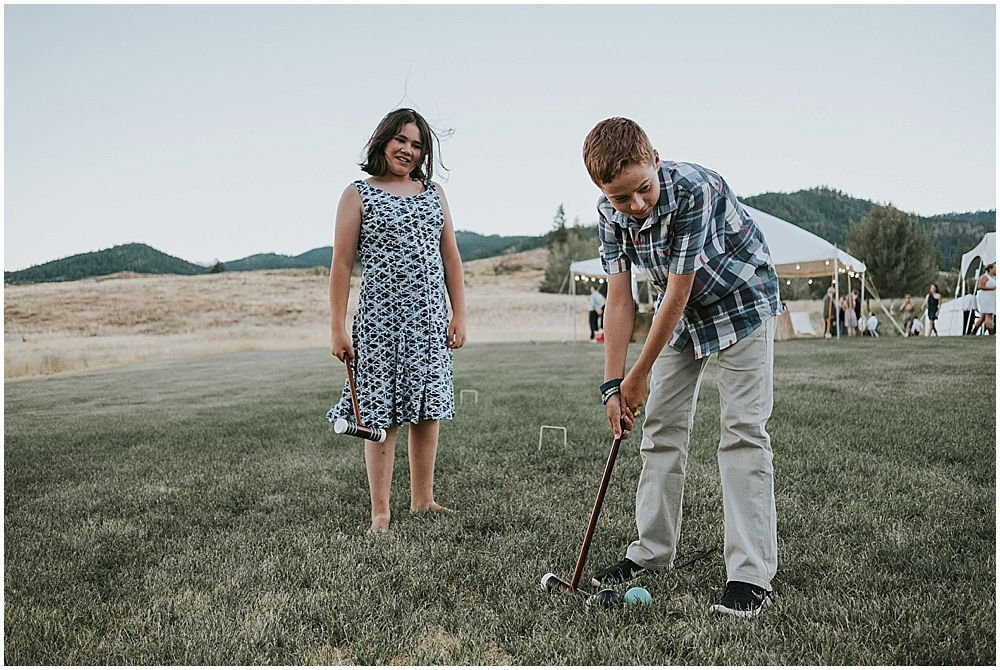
605	598
638	596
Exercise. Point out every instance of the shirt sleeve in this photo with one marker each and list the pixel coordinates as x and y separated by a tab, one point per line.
691	225
613	257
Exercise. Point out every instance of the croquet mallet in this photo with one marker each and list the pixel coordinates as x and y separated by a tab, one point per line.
355	428
552	583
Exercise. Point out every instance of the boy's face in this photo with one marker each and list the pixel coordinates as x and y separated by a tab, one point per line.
636	189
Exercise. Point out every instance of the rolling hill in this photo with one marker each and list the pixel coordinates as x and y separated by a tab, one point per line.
319	257
823	211
135	257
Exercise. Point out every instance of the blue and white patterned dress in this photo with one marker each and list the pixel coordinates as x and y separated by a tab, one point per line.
403	366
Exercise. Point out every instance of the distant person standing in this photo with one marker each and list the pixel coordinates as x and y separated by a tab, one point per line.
907	310
856	301
932	302
828	312
850	318
596	306
986	294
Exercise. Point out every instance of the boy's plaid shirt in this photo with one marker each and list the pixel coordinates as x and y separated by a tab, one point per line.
698	226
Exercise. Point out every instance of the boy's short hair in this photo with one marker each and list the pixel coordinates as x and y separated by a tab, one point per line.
612	145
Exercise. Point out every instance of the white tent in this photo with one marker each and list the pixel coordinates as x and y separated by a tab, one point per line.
795	252
950	317
985	252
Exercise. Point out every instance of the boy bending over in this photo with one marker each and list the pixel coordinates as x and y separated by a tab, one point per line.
681	224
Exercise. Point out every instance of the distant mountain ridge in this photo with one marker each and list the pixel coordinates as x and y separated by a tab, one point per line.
823	211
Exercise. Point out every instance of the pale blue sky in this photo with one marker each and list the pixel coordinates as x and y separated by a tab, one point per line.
223	131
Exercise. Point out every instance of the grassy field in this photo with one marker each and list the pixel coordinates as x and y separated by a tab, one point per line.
201	511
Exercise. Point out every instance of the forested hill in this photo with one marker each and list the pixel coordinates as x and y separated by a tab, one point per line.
473	245
829	213
319	257
134	257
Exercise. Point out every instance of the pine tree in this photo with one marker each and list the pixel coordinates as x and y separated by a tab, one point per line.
896	249
565	246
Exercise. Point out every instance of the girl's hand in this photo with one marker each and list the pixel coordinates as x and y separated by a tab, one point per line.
341	344
456	332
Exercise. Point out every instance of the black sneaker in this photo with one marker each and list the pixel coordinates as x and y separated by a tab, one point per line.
743	600
622	573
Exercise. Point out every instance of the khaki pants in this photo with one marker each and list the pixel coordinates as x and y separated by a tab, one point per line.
746	396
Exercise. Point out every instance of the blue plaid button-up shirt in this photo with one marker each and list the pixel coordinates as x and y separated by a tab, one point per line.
697	226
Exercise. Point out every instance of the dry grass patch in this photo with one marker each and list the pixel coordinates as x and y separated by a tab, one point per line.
126	318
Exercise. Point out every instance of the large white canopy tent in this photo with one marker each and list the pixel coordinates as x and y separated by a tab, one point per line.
795	252
950	317
985	252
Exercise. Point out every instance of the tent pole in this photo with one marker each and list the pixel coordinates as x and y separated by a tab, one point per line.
836	293
850	296
572	301
882	305
863	294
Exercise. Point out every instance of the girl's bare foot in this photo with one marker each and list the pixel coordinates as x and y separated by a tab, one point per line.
433	507
380	524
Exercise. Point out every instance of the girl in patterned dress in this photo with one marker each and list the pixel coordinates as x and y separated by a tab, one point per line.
398	224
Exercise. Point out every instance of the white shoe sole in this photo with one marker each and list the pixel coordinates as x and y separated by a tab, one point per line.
745	614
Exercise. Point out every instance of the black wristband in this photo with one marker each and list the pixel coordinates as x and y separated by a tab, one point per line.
610	384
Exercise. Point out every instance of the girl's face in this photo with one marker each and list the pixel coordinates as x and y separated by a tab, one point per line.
404	150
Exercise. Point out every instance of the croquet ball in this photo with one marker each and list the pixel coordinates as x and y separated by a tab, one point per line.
605	598
638	596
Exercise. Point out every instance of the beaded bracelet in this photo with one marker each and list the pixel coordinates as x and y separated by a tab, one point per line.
611	383
610	388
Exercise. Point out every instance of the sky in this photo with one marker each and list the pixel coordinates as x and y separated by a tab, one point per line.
217	132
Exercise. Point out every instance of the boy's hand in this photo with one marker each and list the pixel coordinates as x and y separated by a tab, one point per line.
620	420
633	393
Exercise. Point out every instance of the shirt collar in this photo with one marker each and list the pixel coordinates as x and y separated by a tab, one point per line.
664	206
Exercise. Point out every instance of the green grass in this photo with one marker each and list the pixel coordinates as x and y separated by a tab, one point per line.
201	511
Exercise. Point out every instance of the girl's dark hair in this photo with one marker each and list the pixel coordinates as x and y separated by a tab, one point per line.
375	163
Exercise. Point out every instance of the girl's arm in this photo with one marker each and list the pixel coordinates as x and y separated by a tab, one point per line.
981	284
345	248
454	279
